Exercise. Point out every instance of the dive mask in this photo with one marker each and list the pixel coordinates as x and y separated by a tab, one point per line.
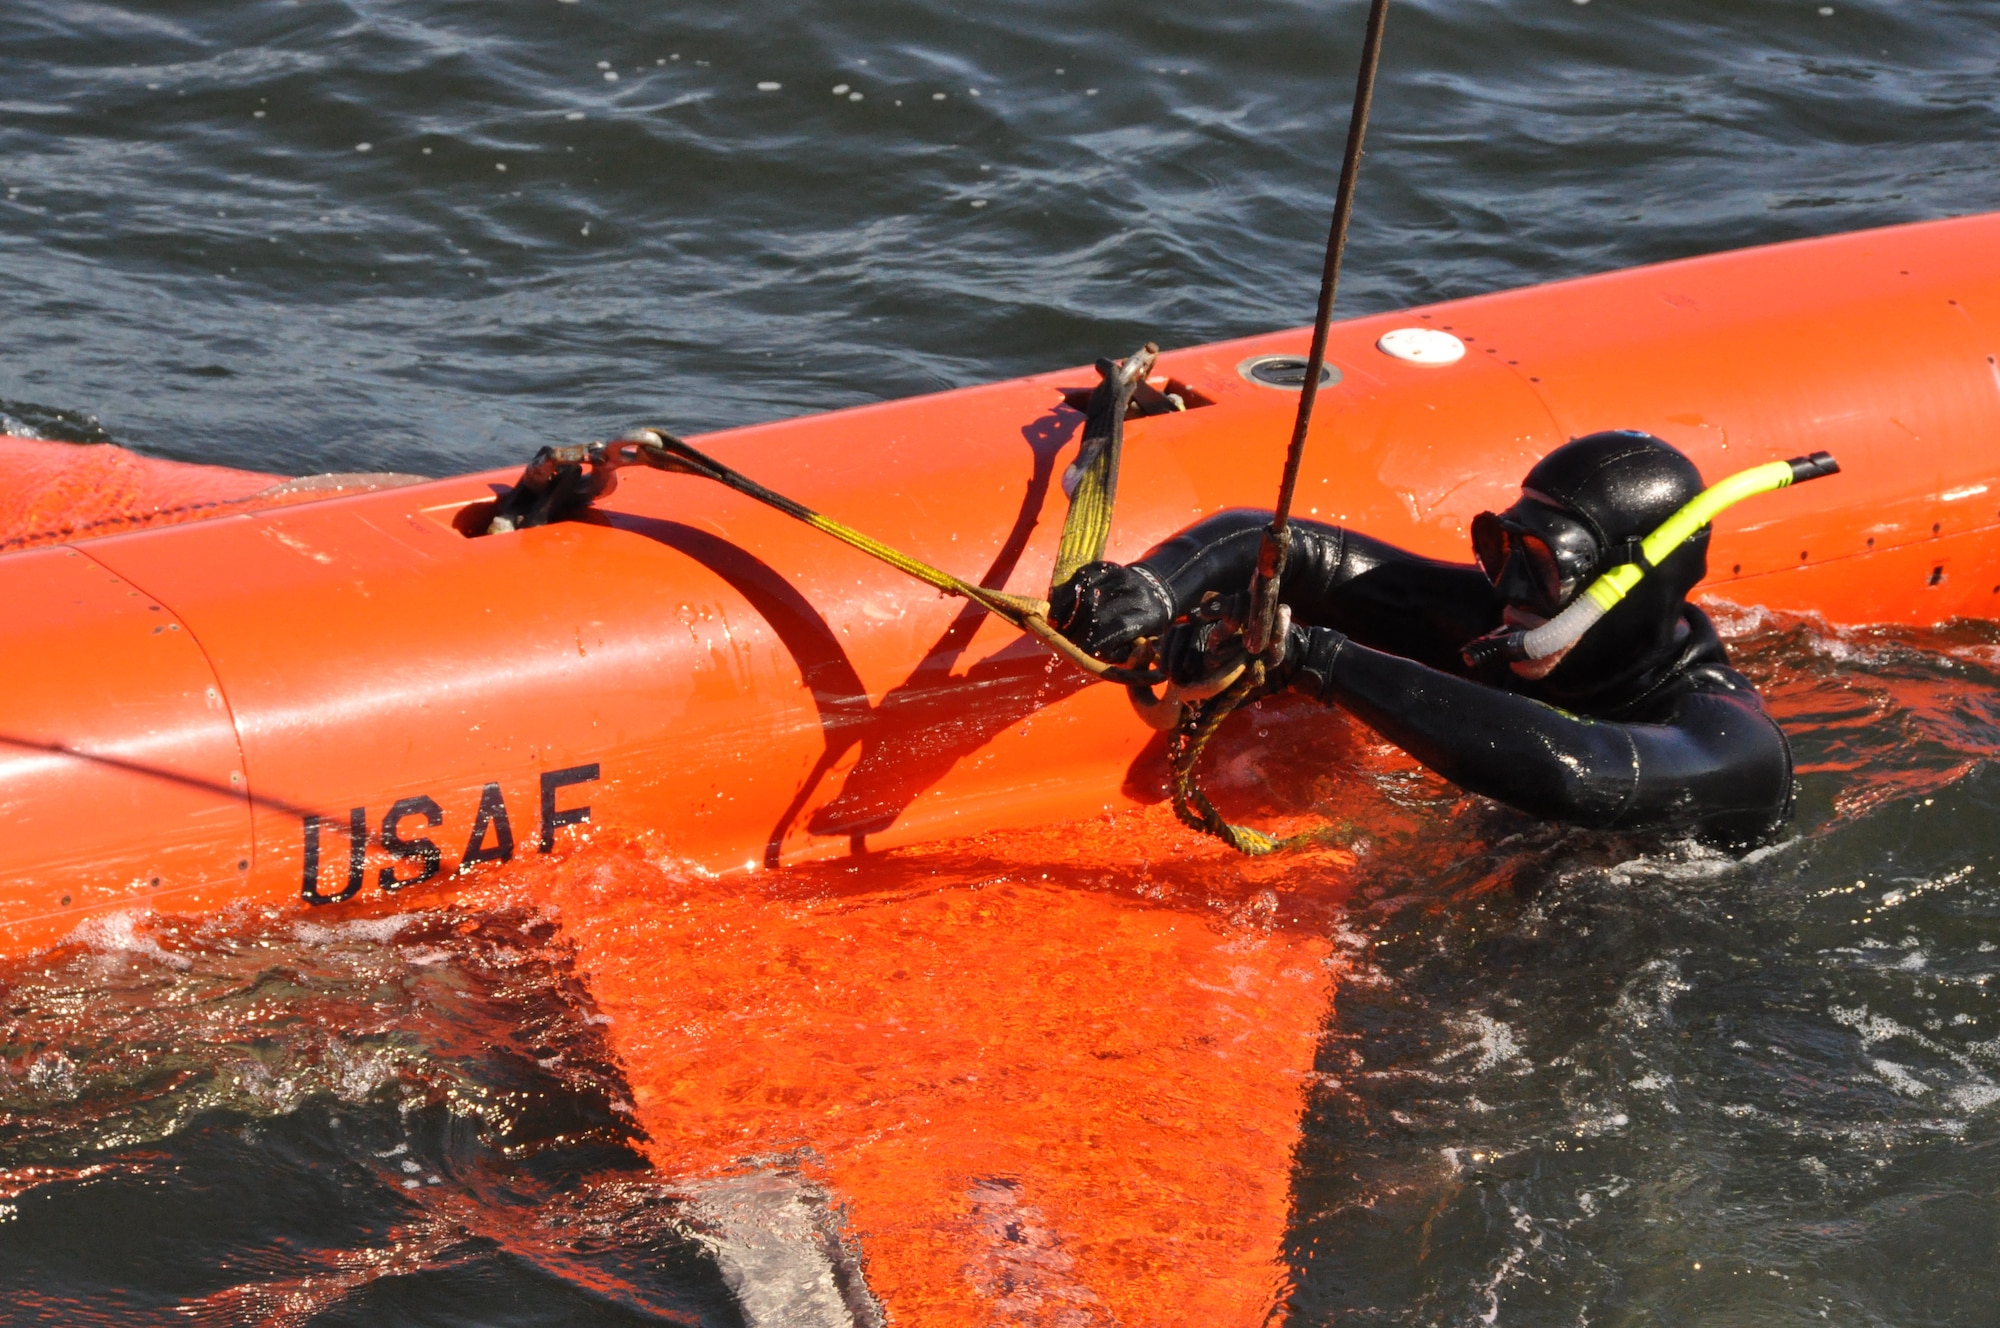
1535	555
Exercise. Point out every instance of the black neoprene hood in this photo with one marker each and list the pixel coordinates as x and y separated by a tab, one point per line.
1623	484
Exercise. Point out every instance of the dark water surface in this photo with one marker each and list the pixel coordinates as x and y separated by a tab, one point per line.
1581	1081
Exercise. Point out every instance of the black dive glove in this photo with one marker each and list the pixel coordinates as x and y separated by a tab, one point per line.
1308	663
1208	642
1211	641
1105	608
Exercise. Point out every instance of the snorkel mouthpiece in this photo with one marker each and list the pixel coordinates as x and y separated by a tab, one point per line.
1515	644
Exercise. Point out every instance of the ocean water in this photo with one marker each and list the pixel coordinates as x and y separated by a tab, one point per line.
1566	1079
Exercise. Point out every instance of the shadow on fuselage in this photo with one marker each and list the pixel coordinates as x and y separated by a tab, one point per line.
922	726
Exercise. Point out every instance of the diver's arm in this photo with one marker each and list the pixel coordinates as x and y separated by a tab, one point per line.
1718	765
1105	607
1216	553
1376	593
1220	553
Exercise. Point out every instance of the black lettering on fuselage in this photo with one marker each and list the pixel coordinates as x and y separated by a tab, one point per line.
357	826
311	887
411	850
492	838
493	813
552	820
357	851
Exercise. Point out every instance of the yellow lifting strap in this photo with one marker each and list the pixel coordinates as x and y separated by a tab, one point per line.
1092	479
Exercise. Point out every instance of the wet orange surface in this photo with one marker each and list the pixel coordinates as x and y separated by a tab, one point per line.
1047	1078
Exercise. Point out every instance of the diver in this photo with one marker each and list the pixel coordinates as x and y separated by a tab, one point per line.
1638	725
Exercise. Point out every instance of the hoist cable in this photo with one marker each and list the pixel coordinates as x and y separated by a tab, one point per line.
1264	633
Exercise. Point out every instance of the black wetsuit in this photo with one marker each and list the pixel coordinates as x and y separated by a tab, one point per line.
1651	733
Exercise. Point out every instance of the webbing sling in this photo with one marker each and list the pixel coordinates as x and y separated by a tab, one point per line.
1087	524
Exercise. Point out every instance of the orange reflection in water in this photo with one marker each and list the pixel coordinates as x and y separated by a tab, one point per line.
1045	1080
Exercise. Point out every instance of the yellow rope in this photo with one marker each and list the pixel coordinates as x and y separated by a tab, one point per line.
662	451
1087	527
1184	750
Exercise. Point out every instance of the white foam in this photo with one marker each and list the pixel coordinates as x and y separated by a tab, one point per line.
776	1241
1509	1267
1651	992
118	933
380	930
359	1072
1899	1078
1683	861
1490	1042
1736	620
53	1073
1873	1028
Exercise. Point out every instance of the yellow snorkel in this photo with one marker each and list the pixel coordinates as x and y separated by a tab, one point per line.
1603	595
